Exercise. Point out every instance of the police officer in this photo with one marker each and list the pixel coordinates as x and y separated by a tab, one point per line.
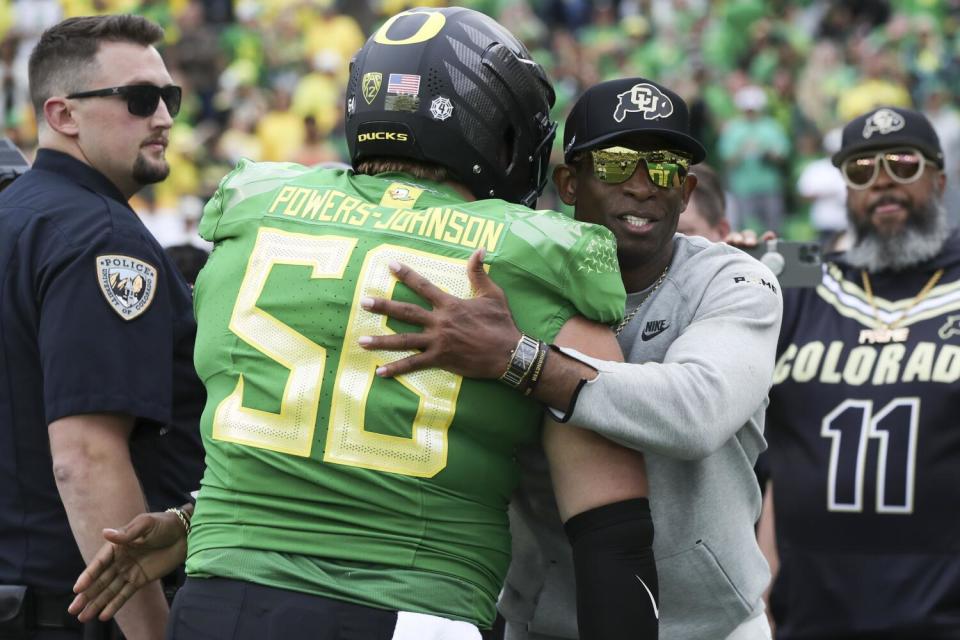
97	391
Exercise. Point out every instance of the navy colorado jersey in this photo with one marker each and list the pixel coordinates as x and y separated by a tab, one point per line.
865	455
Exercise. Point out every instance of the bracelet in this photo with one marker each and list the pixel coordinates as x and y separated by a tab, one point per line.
565	415
522	359
184	520
537	369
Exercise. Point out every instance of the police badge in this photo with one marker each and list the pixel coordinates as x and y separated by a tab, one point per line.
127	283
370	84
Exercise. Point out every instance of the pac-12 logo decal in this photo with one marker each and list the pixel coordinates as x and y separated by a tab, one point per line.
643	98
127	283
370	84
883	121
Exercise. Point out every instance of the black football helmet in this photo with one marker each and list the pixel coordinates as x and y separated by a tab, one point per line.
452	87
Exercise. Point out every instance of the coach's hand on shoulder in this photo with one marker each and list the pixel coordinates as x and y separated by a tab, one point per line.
470	337
149	547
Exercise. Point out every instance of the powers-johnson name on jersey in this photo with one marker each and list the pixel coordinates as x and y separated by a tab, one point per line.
322	477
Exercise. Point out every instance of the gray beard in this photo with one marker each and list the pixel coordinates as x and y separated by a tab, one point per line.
919	241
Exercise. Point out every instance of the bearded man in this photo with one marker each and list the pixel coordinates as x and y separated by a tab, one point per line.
862	419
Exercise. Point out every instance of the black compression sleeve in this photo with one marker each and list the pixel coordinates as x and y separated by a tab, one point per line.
617	589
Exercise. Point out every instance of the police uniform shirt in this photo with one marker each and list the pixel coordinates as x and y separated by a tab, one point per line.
94	318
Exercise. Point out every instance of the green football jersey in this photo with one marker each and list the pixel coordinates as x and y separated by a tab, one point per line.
322	477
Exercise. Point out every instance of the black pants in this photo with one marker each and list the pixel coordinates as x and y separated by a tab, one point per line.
96	631
29	615
220	609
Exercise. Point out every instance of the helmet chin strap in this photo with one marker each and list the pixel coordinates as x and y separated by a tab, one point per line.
539	163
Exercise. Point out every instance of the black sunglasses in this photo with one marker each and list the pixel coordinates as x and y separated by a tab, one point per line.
142	99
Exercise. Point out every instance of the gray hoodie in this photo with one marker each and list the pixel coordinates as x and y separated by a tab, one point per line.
703	349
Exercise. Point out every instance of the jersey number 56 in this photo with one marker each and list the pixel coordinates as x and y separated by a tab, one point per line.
291	430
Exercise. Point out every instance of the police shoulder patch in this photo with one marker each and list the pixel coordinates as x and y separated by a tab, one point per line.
127	283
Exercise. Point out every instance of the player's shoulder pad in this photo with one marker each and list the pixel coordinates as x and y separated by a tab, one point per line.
593	275
560	228
247	179
588	247
581	257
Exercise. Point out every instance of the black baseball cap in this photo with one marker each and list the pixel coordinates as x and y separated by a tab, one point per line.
629	105
886	128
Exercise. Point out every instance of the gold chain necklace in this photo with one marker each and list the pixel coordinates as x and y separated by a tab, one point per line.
649	293
889	332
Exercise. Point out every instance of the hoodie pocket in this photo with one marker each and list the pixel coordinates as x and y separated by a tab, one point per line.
697	595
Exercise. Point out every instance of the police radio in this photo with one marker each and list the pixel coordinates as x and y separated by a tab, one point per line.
12	163
796	264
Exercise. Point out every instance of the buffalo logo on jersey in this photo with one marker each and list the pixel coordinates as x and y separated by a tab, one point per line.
371	85
127	283
884	121
643	98
951	328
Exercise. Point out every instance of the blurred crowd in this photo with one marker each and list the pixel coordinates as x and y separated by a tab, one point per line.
768	82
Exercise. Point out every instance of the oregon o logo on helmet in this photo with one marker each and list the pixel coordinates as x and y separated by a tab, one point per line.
384	136
430	28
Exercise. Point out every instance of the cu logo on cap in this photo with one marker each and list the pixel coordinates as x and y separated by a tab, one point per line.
883	122
643	98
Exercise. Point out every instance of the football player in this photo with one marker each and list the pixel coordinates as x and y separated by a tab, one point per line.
358	506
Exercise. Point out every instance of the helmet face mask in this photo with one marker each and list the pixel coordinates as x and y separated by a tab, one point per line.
451	87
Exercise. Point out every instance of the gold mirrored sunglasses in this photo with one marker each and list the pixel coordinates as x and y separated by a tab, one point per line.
615	165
